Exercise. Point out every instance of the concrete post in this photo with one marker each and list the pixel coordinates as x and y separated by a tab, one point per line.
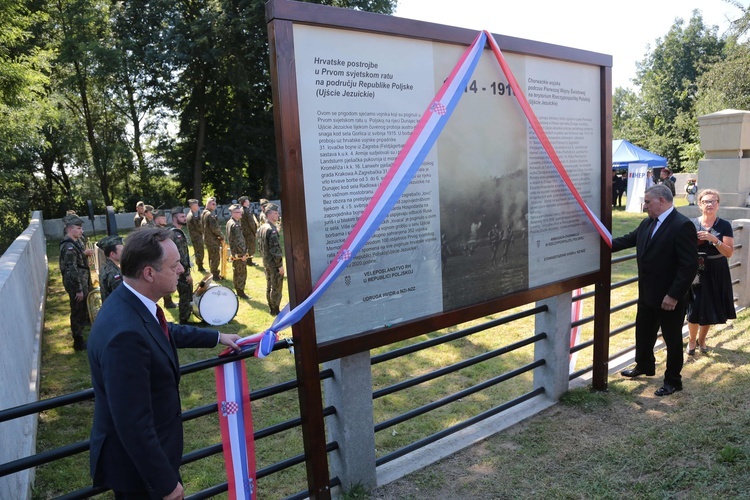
350	391
741	228
555	349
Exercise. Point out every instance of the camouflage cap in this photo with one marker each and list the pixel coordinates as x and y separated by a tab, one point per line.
193	201
177	210
210	199
109	241
243	199
140	204
160	213
271	206
149	208
263	202
72	220
232	208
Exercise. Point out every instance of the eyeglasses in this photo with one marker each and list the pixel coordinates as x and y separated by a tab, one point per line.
709	202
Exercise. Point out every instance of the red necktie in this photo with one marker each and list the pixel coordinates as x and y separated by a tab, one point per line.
162	320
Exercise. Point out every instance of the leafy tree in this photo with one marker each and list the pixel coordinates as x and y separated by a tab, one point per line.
727	83
668	78
23	63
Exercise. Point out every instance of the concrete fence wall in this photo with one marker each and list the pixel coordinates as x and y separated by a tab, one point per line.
23	288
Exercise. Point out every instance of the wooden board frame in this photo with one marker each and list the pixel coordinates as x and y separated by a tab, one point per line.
281	16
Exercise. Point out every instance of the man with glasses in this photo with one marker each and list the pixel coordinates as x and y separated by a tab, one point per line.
667	253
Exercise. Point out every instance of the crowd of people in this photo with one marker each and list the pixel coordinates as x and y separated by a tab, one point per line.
136	437
194	228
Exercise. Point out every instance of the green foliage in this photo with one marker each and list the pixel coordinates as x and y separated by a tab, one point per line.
727	84
668	78
14	207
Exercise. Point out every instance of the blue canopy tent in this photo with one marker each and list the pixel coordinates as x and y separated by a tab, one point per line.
624	153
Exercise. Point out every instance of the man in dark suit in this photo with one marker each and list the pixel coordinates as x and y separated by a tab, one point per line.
136	436
667	250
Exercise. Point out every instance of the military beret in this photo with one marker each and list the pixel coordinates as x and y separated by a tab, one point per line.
149	208
271	206
178	210
109	241
193	201
160	213
139	204
72	220
243	199
232	208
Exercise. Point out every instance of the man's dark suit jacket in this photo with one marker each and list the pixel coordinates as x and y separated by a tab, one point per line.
667	265
136	437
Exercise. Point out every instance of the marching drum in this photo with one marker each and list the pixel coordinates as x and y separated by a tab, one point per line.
216	305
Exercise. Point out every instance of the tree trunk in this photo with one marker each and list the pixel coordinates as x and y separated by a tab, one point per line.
200	140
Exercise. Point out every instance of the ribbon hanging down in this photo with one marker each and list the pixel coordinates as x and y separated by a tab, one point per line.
398	177
236	423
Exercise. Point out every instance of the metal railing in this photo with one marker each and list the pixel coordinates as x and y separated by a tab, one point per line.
83	446
193	456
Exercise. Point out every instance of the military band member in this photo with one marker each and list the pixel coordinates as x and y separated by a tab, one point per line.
76	276
238	250
184	281
273	258
249	228
148	217
140	208
212	237
263	202
195	231
160	220
109	275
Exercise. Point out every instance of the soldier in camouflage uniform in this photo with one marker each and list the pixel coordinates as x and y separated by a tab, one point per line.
184	281
263	202
160	220
140	208
148	217
110	276
237	247
273	258
249	228
195	230
76	275
212	237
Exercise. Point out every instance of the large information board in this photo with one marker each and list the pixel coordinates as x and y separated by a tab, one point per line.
486	217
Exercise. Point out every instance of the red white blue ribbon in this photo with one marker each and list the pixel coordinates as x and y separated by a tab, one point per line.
576	310
236	422
240	456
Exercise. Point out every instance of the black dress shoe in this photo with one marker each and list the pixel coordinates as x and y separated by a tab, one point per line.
635	372
667	389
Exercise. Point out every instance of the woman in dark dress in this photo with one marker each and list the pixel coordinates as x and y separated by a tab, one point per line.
713	299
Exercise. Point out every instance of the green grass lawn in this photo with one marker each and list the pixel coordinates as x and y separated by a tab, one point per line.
64	371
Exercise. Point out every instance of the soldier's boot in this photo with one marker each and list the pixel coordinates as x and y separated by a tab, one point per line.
169	303
79	344
241	294
274	311
249	262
